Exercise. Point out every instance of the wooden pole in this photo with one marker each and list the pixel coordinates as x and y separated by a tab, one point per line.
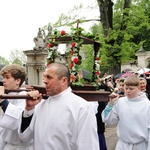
9	96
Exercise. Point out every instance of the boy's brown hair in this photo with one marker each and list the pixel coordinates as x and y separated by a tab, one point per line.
17	72
132	81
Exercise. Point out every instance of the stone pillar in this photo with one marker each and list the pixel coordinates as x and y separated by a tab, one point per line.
36	60
143	57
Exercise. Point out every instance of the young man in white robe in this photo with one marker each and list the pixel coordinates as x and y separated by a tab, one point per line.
132	116
13	77
64	121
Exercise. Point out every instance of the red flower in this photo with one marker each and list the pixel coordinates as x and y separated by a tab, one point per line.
98	58
70	66
73	44
72	52
98	73
50	45
76	60
63	32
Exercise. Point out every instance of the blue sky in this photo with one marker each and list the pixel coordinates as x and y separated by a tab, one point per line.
20	20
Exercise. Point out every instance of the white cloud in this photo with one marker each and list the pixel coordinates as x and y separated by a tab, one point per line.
20	20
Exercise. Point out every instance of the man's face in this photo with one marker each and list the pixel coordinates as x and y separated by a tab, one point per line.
52	83
9	82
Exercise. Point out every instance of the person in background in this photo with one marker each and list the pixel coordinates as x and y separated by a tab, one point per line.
103	85
110	84
117	81
101	126
131	114
136	74
143	85
121	87
13	77
64	121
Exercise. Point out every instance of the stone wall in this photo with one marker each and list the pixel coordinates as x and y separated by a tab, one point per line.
143	58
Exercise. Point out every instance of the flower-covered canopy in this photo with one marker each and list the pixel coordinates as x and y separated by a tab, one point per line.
75	39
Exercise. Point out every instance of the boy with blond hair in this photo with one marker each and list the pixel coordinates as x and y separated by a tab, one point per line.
14	76
131	114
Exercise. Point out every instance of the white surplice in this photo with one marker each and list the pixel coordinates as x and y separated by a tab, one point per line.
63	122
132	117
9	123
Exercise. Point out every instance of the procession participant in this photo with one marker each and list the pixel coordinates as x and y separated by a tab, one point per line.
64	121
131	113
110	84
121	87
143	85
13	77
101	126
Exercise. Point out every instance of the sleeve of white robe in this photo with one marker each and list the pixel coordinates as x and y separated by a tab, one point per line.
94	104
109	114
10	119
87	138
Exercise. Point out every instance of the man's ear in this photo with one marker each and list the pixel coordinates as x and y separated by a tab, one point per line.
64	80
18	81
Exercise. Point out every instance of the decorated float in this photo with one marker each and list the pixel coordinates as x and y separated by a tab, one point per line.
47	47
75	39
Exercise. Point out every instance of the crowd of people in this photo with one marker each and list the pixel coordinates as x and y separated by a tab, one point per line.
66	121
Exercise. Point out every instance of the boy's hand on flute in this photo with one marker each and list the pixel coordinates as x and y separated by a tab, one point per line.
37	97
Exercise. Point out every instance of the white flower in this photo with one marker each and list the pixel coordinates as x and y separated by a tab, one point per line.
97	67
73	68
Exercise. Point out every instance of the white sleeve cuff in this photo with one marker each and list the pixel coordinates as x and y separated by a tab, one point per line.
28	113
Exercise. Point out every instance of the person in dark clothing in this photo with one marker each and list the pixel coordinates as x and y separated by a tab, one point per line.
148	84
101	126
